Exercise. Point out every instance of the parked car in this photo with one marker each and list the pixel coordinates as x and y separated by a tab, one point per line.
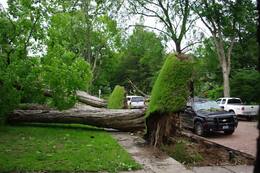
205	116
235	105
135	102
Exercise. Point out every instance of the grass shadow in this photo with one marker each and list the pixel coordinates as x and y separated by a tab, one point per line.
59	126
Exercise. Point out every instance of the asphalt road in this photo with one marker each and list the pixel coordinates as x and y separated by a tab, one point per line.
243	139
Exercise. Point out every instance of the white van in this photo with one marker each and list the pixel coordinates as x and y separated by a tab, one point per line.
135	102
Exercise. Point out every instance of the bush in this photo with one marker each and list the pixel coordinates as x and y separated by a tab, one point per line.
117	98
215	93
246	85
170	91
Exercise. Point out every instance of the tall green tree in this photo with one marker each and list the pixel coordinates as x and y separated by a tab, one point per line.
224	20
90	33
208	76
141	60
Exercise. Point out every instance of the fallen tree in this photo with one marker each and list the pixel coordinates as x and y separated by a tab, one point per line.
168	98
90	100
120	119
84	97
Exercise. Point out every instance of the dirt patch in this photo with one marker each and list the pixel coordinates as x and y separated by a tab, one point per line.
192	152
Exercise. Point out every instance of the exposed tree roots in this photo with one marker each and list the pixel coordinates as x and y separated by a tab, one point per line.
161	127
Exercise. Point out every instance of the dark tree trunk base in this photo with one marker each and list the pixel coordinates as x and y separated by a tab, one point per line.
160	128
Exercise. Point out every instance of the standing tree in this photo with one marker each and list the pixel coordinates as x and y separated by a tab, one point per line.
224	20
141	60
169	96
91	33
175	16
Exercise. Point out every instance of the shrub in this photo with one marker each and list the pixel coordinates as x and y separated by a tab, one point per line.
170	91
117	98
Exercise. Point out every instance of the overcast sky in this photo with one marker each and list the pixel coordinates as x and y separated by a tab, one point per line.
3	2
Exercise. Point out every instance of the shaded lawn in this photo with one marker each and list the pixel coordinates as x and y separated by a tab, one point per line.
62	148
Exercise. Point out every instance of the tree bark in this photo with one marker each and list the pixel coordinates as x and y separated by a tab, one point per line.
90	100
225	73
225	61
161	127
122	120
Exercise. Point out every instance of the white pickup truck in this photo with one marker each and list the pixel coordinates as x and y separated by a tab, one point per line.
235	105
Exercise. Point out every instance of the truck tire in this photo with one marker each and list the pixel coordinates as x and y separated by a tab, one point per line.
231	111
229	132
199	128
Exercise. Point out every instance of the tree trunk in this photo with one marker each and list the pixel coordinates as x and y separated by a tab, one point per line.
178	47
161	127
122	120
90	100
225	62
225	73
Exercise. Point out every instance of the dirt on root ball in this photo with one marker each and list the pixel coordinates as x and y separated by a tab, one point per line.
193	153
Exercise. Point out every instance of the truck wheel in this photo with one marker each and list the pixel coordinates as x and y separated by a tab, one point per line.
199	128
229	132
231	111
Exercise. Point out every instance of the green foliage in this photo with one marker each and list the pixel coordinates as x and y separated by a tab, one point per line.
245	84
25	81
19	81
215	93
63	148
208	81
95	42
24	78
170	91
71	73
141	60
117	98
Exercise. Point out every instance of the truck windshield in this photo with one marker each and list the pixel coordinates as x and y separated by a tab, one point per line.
207	106
234	101
137	99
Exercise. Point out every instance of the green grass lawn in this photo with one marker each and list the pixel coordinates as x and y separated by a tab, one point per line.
69	148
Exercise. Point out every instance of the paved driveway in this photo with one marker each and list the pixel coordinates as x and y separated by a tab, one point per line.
243	139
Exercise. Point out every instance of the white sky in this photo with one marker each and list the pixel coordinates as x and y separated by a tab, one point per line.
4	3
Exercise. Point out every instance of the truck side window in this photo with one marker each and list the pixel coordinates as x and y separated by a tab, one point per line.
223	101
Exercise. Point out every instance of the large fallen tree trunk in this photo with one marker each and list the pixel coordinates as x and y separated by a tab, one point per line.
122	120
84	97
91	100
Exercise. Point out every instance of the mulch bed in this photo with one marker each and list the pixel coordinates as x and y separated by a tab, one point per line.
211	154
